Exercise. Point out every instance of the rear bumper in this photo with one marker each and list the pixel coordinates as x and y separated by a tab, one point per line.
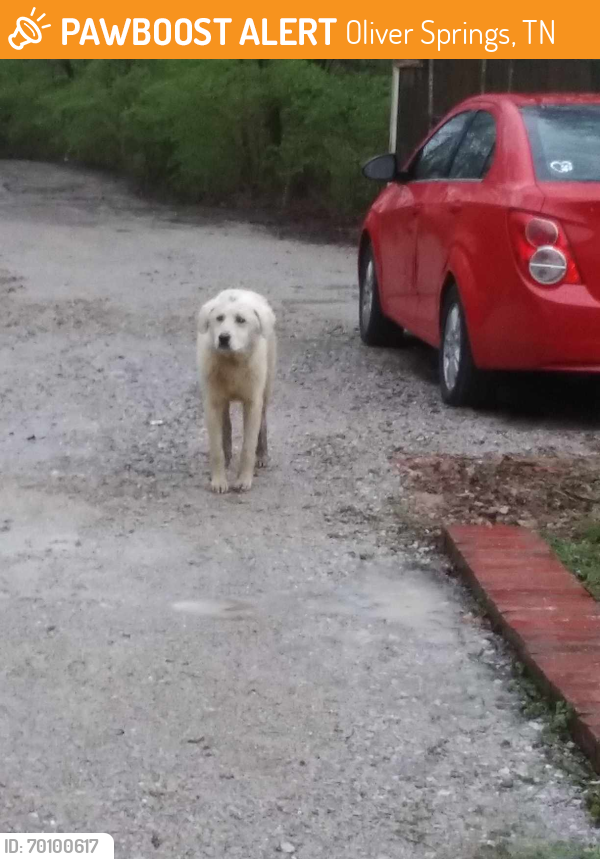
538	329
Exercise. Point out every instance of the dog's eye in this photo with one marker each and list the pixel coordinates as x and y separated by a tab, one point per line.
240	320
220	318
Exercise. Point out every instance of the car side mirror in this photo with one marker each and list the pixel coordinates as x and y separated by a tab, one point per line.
384	168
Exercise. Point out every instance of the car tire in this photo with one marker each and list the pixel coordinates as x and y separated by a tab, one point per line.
461	383
375	328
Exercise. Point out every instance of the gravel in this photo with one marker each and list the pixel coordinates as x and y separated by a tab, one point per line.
246	675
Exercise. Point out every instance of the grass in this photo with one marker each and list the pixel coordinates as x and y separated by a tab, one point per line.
556	716
581	554
289	134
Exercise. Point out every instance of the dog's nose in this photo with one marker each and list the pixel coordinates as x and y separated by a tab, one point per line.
224	339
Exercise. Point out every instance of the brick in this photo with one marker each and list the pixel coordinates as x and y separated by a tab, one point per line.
548	580
485	533
546	647
473	538
505	559
557	664
566	600
523	571
531	624
549	617
586	733
583	697
592	723
507	552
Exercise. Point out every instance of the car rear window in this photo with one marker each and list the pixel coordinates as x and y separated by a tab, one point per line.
565	141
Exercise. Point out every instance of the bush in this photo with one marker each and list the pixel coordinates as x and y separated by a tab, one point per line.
288	133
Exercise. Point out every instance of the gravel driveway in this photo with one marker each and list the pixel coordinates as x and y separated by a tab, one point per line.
235	676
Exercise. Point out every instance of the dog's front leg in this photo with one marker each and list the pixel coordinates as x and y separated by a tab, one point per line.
227	434
214	423
252	422
262	448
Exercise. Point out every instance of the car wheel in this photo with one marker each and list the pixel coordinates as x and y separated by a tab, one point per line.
375	328
461	383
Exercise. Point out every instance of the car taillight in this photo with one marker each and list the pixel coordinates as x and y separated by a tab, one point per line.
542	249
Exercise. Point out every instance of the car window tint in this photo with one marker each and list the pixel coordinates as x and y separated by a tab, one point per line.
565	141
433	161
474	155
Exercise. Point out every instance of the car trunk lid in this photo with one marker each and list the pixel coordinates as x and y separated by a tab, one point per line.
577	206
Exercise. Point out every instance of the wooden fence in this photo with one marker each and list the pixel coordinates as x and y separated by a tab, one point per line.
425	89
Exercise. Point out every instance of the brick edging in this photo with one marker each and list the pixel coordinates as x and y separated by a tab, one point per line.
543	611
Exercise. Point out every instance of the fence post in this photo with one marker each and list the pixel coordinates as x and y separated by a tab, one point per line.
430	92
394	107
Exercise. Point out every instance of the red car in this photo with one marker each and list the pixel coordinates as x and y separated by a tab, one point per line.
486	244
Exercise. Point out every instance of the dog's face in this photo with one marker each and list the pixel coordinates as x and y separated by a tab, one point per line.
233	326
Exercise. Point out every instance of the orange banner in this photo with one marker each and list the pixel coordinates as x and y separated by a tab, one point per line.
230	29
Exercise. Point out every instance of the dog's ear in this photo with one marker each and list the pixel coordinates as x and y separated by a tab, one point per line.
266	319
203	315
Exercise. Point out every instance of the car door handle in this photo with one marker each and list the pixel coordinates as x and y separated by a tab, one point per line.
455	208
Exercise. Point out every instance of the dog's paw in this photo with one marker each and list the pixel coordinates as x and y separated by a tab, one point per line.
262	461
243	484
219	485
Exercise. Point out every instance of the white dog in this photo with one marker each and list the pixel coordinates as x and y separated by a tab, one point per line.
236	357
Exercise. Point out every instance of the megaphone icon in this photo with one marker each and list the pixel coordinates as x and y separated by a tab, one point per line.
26	32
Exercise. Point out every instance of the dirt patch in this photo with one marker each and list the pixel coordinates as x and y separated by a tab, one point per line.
547	493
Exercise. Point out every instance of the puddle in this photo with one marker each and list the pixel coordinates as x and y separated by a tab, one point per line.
413	603
231	609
